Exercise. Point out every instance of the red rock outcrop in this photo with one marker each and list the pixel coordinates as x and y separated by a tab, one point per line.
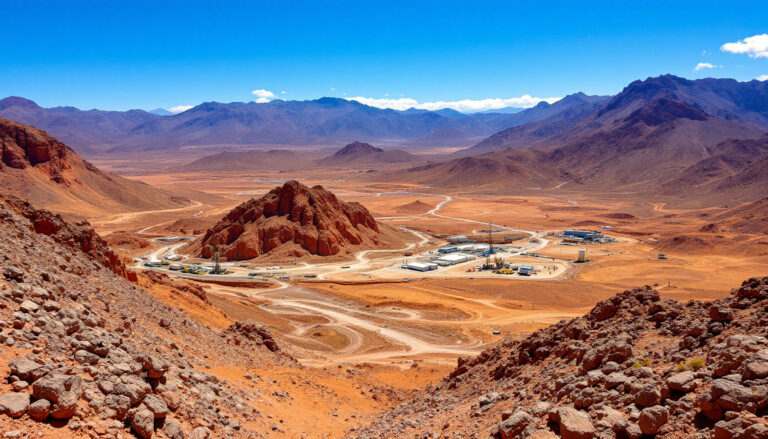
313	219
76	236
23	147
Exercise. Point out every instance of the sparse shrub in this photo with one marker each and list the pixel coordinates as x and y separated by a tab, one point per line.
696	363
642	363
680	367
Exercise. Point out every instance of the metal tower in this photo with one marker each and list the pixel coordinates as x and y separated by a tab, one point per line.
217	267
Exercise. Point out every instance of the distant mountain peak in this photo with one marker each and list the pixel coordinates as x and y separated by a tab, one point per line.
16	101
665	110
357	148
160	112
335	102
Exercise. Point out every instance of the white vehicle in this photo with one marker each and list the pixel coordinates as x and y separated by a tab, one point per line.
175	267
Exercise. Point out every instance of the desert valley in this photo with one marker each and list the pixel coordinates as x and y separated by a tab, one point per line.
590	267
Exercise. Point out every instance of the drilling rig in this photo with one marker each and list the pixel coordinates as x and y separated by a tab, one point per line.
217	266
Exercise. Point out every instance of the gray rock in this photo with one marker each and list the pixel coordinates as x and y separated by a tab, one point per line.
514	425
85	357
29	307
116	406
63	391
616	379
683	381
720	313
13	273
25	369
156	405
575	424
133	387
730	395
40	409
154	367
757	366
652	418
143	423
172	429
70	325
648	396
50	305
14	404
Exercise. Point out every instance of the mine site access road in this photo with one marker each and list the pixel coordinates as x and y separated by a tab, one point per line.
543	242
289	299
292	300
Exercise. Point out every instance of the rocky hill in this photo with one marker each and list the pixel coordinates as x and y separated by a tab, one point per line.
358	153
750	218
293	220
88	354
637	366
39	168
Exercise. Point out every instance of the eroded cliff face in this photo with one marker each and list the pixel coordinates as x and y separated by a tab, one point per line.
24	146
76	236
303	219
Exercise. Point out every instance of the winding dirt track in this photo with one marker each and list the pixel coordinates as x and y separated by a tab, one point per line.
405	332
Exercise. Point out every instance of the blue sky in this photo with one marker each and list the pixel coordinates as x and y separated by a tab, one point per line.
147	54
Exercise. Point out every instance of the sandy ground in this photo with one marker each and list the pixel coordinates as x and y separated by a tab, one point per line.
404	329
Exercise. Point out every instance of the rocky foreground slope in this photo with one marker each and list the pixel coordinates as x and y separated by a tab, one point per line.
636	366
85	353
293	220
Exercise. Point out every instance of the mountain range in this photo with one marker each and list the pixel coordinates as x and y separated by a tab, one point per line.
665	135
325	121
670	136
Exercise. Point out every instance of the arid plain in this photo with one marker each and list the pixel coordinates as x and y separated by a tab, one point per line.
363	324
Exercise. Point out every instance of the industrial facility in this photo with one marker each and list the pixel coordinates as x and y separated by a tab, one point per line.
585	236
458	239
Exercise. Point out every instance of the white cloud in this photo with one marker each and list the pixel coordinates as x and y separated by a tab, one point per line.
263	93
762	78
465	105
333	88
705	65
180	108
263	96
755	46
282	92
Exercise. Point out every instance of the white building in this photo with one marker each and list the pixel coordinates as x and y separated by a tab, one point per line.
421	266
452	259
